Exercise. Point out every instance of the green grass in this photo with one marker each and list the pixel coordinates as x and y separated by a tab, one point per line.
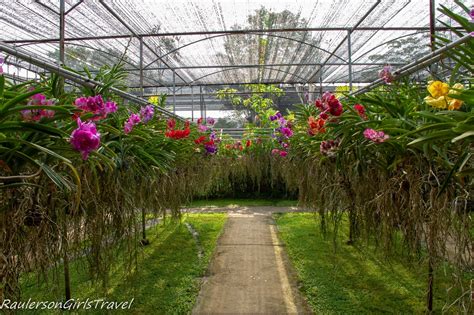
355	280
221	203
167	280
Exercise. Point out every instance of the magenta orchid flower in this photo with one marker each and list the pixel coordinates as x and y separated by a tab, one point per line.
37	114
132	120
375	136
96	105
85	138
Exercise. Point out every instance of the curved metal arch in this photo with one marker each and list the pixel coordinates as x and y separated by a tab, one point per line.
256	33
86	46
387	42
237	68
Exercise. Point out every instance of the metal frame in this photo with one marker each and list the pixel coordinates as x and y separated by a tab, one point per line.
220	33
258	34
209	35
226	32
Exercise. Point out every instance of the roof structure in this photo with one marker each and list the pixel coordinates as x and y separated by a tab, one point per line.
171	46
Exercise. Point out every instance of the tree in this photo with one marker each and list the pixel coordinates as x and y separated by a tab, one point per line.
403	50
262	49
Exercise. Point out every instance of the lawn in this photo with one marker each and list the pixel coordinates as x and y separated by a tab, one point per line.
168	277
355	280
221	203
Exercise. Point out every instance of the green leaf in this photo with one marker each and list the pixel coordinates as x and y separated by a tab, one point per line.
20	98
2	85
17	125
39	148
464	135
432	137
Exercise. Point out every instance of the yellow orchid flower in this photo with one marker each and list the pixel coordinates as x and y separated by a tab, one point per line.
438	88
439	95
439	102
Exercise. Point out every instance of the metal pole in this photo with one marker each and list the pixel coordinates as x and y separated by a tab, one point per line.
349	58
62	46
432	24
141	66
230	32
174	92
192	103
201	101
241	66
433	67
321	82
62	25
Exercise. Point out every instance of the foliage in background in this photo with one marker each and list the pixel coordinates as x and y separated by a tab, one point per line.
259	104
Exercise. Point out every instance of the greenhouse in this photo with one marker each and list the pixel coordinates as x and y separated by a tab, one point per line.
237	157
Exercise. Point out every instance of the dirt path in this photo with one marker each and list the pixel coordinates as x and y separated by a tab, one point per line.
249	272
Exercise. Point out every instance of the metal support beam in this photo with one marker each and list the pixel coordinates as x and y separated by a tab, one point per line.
192	103
141	67
229	32
231	83
201	100
74	6
214	94
321	81
349	58
62	31
174	92
432	24
244	66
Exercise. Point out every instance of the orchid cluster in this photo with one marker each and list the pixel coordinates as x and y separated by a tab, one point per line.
375	136
172	133
85	138
281	153
328	104
1	64
133	119
386	74
439	98
282	133
329	147
146	114
210	144
239	146
316	126
360	109
96	106
205	125
37	114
